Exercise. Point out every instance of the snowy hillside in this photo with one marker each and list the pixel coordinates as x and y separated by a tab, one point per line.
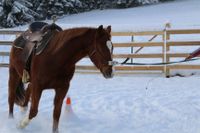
126	103
181	14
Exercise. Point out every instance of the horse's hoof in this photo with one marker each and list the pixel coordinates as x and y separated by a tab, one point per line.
23	123
11	116
55	131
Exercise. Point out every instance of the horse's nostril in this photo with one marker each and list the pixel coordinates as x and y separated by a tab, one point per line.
108	73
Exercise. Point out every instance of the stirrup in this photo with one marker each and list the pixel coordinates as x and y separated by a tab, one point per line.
25	76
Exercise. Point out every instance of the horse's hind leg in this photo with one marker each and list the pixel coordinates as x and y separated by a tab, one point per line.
13	83
58	101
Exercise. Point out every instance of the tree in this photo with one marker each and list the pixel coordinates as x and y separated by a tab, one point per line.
133	3
1	10
47	9
145	2
72	6
165	0
16	12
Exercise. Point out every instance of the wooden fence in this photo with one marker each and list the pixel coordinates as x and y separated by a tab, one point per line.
160	39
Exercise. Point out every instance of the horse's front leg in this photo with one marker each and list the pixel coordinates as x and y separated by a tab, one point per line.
24	106
58	101
27	96
35	98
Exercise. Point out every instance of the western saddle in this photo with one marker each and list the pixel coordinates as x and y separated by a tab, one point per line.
33	42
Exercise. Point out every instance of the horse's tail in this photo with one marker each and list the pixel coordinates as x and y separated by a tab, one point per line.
20	94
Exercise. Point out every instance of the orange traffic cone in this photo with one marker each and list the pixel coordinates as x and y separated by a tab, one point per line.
68	104
68	101
69	113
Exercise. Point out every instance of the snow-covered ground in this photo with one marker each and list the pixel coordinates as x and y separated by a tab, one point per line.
126	103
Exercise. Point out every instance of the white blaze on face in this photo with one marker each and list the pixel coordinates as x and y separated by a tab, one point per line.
109	45
111	63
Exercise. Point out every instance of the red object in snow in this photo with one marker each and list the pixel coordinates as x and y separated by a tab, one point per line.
193	54
68	101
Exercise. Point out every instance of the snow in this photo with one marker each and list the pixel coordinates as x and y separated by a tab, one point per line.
120	105
125	103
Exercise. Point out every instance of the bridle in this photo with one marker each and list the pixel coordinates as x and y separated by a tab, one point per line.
110	47
96	51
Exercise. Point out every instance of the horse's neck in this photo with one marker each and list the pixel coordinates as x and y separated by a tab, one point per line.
76	48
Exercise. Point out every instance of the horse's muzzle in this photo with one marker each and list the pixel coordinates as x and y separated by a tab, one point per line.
108	76
108	73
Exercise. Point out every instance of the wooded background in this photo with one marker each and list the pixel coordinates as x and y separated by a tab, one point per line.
19	12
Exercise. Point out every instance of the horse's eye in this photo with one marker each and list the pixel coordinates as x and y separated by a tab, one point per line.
109	45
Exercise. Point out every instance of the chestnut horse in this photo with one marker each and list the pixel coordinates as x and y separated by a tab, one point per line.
55	67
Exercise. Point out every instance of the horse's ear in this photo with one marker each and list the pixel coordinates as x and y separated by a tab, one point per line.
100	28
109	28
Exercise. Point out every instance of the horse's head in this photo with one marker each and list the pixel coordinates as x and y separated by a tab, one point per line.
101	51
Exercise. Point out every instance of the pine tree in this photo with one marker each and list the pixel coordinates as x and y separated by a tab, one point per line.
1	9
132	3
165	0
16	12
1	13
58	7
72	6
145	2
126	3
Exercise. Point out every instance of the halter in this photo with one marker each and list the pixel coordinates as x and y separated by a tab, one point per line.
110	47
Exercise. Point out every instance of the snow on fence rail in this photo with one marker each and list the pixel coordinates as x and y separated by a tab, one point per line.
164	43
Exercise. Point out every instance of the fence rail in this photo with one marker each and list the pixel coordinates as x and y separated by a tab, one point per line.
165	44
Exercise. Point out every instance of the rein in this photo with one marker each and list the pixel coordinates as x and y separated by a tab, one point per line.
154	64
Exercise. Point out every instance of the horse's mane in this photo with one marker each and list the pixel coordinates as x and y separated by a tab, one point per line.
69	34
74	32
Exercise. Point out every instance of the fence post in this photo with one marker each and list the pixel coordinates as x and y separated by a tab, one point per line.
132	40
166	48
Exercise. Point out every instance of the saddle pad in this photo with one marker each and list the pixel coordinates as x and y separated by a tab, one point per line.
20	42
40	46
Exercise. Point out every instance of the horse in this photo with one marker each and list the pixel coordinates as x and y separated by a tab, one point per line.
55	67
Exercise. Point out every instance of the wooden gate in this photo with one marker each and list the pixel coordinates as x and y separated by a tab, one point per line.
126	45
